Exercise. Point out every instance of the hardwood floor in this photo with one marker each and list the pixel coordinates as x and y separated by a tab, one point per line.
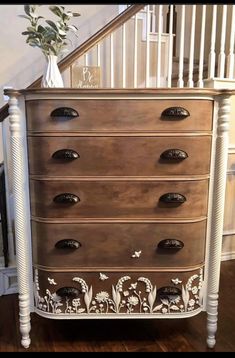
187	335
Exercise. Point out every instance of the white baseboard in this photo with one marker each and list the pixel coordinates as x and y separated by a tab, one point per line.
226	256
8	281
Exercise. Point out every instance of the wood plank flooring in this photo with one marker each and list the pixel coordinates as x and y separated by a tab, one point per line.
187	335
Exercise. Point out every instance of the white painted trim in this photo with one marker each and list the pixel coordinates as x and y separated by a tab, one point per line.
229	232
219	83
6	287
119	315
226	256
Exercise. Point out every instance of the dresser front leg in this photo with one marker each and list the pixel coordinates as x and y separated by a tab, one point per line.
24	316
212	318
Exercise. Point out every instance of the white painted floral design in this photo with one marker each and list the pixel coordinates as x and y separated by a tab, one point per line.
52	281
127	296
103	277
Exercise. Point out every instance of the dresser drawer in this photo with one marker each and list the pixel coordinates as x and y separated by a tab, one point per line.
119	156
118	199
119	115
114	245
102	293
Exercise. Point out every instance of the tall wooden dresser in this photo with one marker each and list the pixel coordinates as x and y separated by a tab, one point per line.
120	195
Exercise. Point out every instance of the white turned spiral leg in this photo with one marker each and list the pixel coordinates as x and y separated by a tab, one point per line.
215	249
20	211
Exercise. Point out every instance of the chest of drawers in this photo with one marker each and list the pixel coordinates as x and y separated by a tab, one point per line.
120	195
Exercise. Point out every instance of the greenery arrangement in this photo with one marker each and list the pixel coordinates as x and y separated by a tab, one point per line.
52	37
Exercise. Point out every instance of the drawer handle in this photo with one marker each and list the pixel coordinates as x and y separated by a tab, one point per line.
66	154
173	198
174	154
168	292
66	112
175	113
68	292
66	198
68	244
171	244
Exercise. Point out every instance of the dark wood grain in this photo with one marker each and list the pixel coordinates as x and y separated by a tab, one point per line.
187	335
123	199
107	245
119	114
118	156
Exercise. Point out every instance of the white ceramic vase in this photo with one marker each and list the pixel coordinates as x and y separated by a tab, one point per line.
52	77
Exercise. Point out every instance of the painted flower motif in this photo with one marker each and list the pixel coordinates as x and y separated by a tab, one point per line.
132	300
76	302
126	293
191	303
55	298
164	310
133	286
195	290
176	281
102	296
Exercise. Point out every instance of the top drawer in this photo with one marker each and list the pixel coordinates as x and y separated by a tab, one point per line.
119	115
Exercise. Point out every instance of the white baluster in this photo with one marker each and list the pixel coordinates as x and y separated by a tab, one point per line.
111	61
230	62
124	55
180	83
86	60
98	55
147	71
221	60
192	42
170	54
211	71
200	83
159	59
136	53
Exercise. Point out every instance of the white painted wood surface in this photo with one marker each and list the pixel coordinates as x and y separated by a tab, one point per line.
215	250
21	208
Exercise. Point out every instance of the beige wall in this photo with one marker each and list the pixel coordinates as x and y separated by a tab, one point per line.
21	64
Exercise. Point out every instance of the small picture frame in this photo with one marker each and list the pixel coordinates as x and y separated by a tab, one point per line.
86	77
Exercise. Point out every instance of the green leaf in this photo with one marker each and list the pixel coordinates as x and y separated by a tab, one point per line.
27	10
28	33
52	24
56	10
41	29
24	17
73	28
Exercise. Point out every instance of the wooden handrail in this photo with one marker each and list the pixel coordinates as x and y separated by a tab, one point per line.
86	46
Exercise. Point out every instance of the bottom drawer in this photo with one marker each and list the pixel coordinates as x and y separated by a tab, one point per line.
114	293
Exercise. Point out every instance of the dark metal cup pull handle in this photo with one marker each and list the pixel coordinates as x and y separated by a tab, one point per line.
66	198
64	112
168	292
68	244
175	113
66	154
171	244
69	292
173	198
174	154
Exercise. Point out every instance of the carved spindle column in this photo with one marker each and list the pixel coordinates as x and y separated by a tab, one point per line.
215	249
20	210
